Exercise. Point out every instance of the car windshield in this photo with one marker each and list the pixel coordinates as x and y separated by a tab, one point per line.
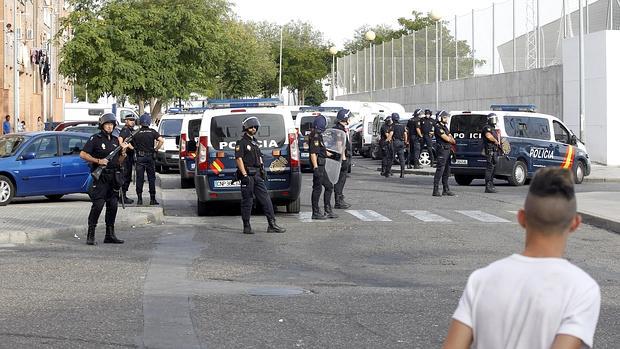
170	127
226	130
10	144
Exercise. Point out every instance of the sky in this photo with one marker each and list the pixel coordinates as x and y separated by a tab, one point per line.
338	19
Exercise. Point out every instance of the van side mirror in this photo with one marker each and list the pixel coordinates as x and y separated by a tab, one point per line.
191	145
573	140
28	156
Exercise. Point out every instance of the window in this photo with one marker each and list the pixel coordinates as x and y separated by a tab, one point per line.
124	114
44	147
95	112
72	145
227	128
170	127
561	133
193	129
527	127
467	125
10	144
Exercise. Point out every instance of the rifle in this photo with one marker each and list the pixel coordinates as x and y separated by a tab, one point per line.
97	172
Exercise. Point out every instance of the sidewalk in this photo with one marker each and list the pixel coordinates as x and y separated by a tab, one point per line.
31	219
600	209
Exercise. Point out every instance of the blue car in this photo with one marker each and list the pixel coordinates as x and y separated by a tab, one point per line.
42	163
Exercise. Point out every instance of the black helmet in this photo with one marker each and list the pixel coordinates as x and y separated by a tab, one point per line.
320	123
107	117
492	119
388	119
442	114
250	122
343	115
428	112
395	117
417	112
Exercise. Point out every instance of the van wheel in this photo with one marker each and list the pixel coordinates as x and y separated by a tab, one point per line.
580	170
374	153
7	191
425	158
187	183
294	206
463	179
518	176
55	197
202	208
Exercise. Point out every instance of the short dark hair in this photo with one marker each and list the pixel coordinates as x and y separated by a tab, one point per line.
551	205
7	116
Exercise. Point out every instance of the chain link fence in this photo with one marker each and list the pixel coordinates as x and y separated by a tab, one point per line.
509	36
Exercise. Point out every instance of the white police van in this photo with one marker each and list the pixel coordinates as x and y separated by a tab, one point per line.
303	125
529	141
220	129
188	145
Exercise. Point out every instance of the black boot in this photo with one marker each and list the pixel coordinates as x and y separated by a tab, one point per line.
126	199
316	214
90	236
436	191
153	201
446	192
402	173
273	227
341	204
110	238
247	228
417	167
139	203
490	188
329	213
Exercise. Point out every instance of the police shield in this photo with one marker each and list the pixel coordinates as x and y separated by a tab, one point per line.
335	142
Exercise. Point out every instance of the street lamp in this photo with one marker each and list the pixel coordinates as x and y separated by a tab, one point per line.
334	51
370	36
436	16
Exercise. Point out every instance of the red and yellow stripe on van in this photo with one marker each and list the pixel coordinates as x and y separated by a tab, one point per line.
569	158
217	166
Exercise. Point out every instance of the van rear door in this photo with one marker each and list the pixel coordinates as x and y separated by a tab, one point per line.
467	131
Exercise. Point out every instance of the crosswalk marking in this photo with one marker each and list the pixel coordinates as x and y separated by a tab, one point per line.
368	216
513	212
306	217
426	216
484	217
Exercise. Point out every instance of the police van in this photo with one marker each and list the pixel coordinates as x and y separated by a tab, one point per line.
529	141
169	129
303	125
220	129
188	145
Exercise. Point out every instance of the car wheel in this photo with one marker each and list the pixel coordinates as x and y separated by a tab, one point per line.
294	206
55	197
463	179
518	175
374	153
7	191
425	158
187	183
580	172
202	208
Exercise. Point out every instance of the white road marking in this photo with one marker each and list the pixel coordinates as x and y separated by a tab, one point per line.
306	217
513	212
426	216
368	216
484	217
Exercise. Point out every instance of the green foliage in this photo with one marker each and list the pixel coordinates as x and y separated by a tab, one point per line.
315	94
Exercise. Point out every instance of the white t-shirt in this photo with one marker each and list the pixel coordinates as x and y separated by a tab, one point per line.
524	302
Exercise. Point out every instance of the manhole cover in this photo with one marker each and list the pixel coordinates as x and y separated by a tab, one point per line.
275	291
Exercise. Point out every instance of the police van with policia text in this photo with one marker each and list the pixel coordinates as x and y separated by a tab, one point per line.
528	141
220	129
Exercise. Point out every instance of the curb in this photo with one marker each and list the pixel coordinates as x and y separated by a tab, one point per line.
601	180
600	222
415	172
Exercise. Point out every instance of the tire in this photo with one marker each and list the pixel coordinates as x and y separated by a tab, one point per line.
165	169
187	183
54	197
425	158
7	191
293	206
579	172
374	153
158	169
518	175
463	179
202	208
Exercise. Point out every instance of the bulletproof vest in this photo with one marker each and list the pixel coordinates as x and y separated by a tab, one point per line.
427	125
399	132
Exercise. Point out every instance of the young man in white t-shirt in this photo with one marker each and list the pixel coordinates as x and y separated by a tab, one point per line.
536	299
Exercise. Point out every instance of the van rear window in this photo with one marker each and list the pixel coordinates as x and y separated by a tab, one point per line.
226	130
305	124
467	126
193	129
170	127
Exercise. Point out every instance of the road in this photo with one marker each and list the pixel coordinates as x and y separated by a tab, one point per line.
387	274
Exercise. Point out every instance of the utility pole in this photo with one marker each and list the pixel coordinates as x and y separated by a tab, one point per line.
15	68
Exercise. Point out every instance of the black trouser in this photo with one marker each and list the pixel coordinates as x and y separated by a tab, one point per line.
102	193
388	157
342	179
127	171
320	181
427	140
491	163
443	165
145	163
399	150
414	151
255	187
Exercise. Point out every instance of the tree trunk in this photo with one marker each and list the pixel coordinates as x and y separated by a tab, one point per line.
156	109
140	106
302	96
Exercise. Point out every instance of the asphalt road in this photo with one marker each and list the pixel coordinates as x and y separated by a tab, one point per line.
386	274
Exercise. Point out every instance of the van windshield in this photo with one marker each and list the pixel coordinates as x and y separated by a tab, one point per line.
10	144
467	126
170	127
226	130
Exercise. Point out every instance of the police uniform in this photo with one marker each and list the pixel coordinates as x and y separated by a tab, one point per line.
320	179
428	126
342	179
398	141
387	150
253	185
443	161
414	142
144	145
129	162
490	151
105	190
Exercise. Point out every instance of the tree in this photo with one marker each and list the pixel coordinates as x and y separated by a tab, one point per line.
315	94
359	42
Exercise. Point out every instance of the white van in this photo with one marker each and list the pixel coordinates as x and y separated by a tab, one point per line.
170	129
92	111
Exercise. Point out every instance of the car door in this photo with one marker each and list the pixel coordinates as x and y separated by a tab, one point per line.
565	154
74	171
542	148
40	175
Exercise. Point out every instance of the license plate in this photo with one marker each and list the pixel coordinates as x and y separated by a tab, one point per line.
225	184
305	155
460	162
174	156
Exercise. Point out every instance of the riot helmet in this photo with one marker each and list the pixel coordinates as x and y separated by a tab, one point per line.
145	119
492	119
388	119
442	116
107	118
320	123
416	113
250	122
395	117
428	112
343	115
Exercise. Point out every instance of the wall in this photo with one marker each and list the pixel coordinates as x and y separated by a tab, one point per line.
541	87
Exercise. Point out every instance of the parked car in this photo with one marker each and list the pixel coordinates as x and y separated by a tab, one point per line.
83	129
42	163
61	126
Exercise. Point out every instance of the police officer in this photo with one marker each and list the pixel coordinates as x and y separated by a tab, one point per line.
250	170
105	190
491	149
387	132
144	145
126	131
399	138
415	136
444	140
318	153
428	127
342	123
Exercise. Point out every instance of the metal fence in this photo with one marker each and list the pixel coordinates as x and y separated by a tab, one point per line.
509	36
